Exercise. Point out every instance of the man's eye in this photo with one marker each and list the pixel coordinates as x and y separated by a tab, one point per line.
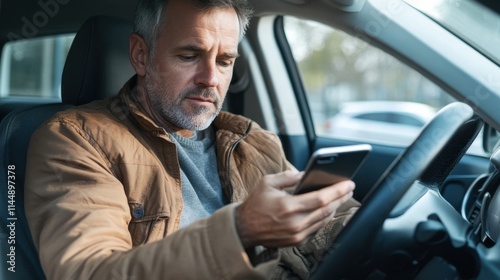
225	63
187	57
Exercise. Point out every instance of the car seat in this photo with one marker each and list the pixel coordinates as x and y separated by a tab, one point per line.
97	66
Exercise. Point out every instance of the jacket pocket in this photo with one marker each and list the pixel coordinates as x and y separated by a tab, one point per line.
146	227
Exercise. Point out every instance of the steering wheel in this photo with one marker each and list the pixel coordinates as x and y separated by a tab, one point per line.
430	158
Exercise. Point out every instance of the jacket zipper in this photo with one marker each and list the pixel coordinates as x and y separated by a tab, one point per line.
231	150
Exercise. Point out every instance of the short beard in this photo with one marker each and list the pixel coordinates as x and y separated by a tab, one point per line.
169	108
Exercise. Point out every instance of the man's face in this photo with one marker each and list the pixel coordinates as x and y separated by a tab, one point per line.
189	74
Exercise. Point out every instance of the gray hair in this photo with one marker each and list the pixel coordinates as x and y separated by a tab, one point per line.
149	13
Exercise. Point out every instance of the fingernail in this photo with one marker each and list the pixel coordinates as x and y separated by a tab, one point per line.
352	185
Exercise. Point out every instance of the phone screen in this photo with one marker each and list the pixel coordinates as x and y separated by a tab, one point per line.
328	166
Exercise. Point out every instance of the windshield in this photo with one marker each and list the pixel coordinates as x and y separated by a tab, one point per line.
469	20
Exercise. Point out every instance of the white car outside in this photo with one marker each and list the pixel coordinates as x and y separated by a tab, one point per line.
380	122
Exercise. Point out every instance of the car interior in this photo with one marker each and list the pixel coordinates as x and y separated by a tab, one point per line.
430	209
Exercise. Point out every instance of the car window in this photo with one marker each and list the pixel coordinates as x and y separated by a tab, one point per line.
33	67
406	120
347	81
392	118
379	117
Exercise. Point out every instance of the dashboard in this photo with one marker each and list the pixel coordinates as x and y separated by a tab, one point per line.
481	205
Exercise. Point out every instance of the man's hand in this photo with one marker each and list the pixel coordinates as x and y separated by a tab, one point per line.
272	217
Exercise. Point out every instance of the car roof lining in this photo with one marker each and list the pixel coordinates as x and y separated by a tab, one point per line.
27	18
31	19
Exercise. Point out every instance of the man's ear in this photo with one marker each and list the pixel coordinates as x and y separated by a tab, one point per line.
139	54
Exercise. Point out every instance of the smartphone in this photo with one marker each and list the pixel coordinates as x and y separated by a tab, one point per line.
327	166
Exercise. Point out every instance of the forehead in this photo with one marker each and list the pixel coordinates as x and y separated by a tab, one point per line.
183	23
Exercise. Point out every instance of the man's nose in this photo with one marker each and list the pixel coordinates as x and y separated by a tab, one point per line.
207	75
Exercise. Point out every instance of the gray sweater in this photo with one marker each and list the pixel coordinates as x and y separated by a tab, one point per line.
201	188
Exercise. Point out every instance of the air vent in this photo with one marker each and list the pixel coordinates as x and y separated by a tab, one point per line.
474	214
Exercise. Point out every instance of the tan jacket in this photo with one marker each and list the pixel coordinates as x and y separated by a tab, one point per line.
103	179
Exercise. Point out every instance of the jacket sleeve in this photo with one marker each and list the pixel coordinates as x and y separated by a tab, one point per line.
79	215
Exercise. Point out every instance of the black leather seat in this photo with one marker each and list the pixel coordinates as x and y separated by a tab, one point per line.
98	62
96	68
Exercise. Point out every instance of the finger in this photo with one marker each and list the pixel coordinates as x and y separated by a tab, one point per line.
295	238
321	215
308	233
326	213
283	180
320	198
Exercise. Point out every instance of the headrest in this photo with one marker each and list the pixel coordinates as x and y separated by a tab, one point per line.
98	62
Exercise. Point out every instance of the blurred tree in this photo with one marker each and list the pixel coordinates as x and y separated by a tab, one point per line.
337	67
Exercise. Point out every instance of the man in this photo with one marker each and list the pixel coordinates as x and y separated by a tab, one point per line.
157	183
